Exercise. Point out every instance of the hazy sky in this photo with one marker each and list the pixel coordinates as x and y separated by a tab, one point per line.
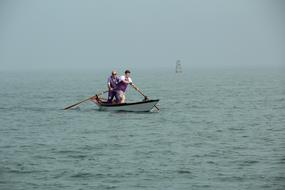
58	34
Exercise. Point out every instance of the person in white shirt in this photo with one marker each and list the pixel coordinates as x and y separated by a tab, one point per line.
123	84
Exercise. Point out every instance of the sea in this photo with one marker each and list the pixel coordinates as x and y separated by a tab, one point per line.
216	129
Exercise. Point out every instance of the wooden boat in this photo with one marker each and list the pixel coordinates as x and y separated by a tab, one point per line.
142	106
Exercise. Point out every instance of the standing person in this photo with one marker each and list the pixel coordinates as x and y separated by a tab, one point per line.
112	84
123	84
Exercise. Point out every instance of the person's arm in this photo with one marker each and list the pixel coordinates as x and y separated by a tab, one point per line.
109	85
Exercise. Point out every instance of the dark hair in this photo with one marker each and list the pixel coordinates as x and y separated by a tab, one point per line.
127	71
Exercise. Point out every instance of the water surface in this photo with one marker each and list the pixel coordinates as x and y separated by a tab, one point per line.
215	130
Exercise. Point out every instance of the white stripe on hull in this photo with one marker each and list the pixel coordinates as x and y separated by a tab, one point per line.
141	107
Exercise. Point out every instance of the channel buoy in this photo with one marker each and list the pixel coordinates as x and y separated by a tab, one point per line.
178	68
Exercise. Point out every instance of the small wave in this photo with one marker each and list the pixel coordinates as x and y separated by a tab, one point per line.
21	171
279	108
249	162
232	178
60	174
236	129
32	109
24	171
77	156
183	172
280	99
82	175
44	157
68	152
279	178
211	162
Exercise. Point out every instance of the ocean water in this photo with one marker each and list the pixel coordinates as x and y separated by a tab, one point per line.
217	129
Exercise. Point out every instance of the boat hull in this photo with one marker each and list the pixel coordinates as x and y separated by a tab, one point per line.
144	106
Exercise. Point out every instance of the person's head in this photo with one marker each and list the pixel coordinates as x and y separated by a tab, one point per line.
114	73
127	73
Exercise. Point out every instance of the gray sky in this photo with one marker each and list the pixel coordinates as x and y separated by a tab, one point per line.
59	34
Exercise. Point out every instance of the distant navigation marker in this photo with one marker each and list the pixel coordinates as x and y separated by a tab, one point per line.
178	67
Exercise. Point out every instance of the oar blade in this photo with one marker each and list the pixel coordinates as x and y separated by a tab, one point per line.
78	103
68	107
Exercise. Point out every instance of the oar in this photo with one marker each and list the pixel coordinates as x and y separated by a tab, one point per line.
99	94
145	97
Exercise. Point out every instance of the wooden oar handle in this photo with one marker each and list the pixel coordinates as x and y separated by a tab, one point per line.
139	91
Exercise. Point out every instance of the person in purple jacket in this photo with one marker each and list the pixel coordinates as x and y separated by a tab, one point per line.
112	83
123	84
